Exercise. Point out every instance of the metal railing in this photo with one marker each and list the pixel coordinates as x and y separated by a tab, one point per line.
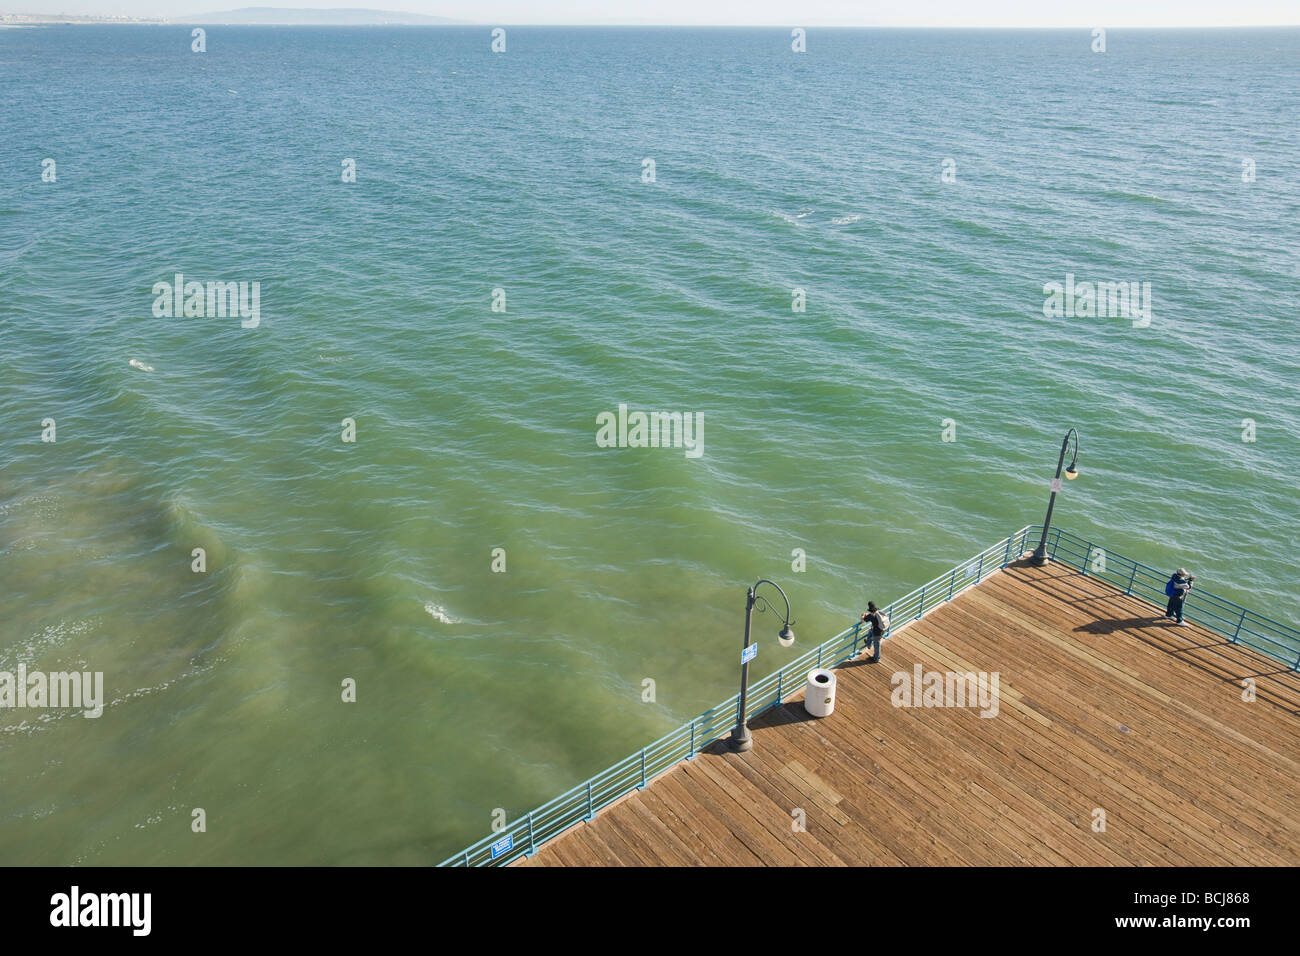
1238	624
524	835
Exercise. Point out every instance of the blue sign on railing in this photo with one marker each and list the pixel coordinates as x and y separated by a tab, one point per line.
749	653
504	845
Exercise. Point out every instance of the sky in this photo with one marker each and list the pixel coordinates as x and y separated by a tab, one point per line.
944	13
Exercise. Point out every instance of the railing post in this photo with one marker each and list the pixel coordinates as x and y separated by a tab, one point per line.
952	583
920	608
642	787
781	673
979	574
1086	558
1131	578
819	655
1006	557
591	811
1056	542
1239	624
532	844
692	753
467	857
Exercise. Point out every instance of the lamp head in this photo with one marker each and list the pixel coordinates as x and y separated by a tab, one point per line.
786	636
1072	472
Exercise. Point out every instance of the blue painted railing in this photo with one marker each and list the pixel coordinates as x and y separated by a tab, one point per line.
1238	624
524	835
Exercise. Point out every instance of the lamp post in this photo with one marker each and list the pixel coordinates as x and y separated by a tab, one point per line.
1071	473
740	738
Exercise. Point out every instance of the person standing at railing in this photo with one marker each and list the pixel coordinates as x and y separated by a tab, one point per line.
879	624
1176	588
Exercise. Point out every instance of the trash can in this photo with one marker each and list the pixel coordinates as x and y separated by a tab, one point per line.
819	693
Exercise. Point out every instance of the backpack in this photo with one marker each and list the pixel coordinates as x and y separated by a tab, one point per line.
884	621
1169	587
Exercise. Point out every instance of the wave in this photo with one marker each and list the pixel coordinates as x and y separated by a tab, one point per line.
439	613
792	218
1127	196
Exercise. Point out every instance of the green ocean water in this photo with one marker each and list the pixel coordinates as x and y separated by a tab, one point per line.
476	429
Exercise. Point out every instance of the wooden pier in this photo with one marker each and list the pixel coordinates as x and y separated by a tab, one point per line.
1104	708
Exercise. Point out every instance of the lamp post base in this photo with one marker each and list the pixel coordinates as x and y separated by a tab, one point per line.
740	740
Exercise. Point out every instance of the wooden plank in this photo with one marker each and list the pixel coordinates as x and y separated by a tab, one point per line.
768	815
737	820
707	825
1173	765
1064	757
1176	763
1099	706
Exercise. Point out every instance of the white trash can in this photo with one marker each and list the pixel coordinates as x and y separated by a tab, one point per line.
819	692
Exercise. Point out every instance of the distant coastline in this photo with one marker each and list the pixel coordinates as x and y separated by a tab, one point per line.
247	16
37	19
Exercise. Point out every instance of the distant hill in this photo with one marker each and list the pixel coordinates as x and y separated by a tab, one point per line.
314	17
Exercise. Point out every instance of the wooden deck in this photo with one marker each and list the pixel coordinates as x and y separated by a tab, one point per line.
1103	706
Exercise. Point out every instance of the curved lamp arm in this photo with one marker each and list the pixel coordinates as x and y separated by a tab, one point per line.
1074	459
762	603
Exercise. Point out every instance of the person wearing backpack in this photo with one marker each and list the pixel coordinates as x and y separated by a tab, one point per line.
1176	589
879	622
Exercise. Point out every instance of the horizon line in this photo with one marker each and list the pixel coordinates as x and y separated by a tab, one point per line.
665	25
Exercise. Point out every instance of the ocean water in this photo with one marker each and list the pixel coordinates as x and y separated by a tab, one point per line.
475	429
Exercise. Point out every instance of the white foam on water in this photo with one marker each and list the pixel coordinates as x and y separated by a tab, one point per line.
439	613
145	691
844	220
136	363
27	505
159	817
51	638
792	219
